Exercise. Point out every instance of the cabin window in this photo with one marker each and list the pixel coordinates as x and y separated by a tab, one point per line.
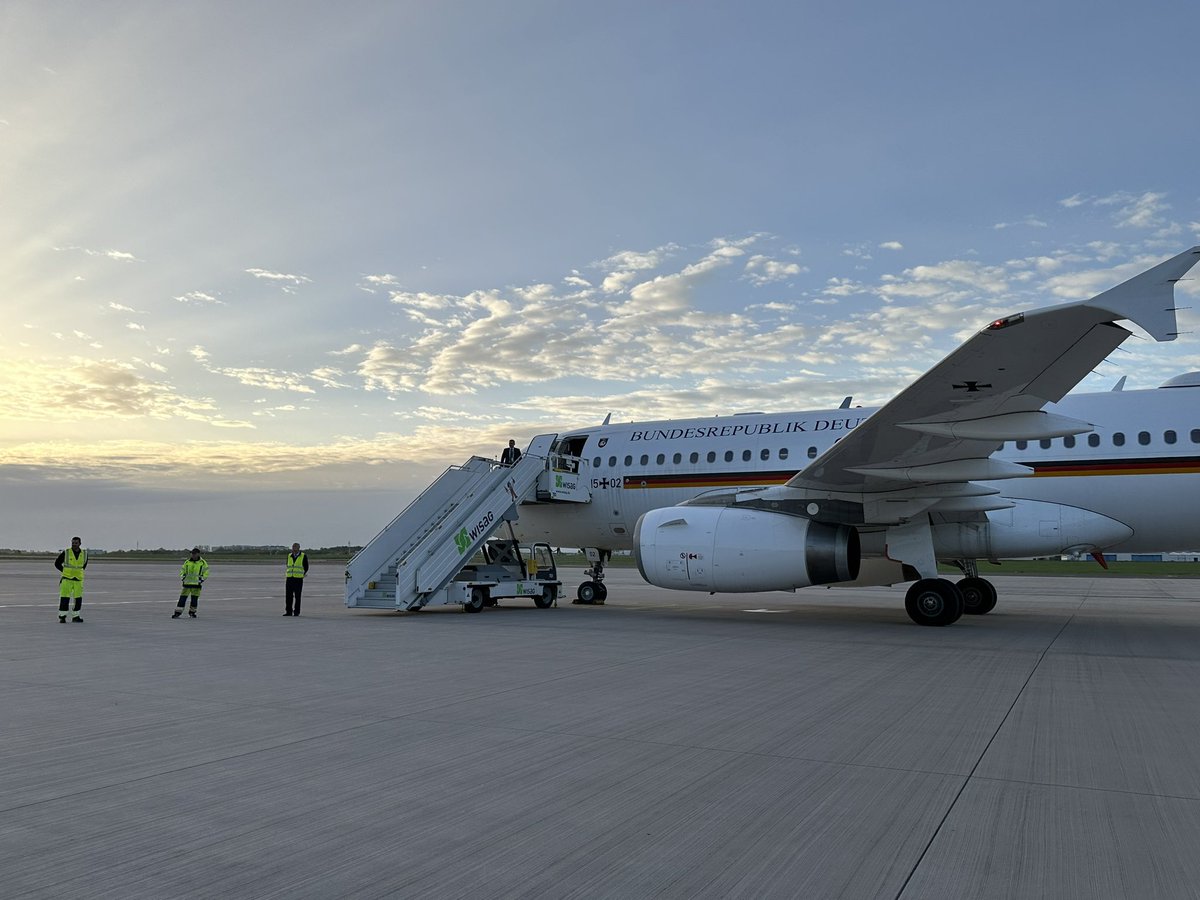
1143	438
1169	437
612	462
1021	445
728	456
1069	441
765	454
596	463
629	461
1093	440
660	459
812	452
677	458
645	459
783	453
694	458
1118	439
1195	435
746	453
1044	443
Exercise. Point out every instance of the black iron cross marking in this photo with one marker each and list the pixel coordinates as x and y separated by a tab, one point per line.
970	387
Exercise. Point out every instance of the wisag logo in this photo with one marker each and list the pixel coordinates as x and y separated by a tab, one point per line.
463	539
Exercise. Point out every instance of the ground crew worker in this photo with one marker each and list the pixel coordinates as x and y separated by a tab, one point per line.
297	566
71	563
192	573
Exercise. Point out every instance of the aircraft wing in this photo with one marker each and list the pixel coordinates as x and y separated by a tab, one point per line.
940	431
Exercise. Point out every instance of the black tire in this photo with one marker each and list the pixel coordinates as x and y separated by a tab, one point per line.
601	592
587	592
479	598
979	596
934	601
546	599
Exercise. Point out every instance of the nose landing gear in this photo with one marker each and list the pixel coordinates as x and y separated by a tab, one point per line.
593	591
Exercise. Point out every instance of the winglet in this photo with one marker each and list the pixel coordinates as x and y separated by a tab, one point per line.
1149	298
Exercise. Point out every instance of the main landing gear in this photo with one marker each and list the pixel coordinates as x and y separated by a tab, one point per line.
939	601
593	590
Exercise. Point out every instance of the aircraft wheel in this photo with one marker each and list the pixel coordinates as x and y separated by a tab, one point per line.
588	592
934	601
547	598
479	598
979	596
601	592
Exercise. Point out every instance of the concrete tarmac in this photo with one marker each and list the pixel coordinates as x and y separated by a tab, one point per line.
807	745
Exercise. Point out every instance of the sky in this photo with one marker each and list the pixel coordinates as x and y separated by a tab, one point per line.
269	267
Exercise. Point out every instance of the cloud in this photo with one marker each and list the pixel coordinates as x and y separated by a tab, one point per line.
348	461
1082	284
117	255
372	283
388	368
891	245
624	266
288	283
90	389
271	379
1028	222
199	297
958	276
1146	210
761	270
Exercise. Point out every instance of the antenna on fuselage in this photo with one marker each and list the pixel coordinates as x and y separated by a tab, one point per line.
607	419
1120	385
846	402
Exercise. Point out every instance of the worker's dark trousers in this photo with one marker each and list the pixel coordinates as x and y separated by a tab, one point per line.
291	595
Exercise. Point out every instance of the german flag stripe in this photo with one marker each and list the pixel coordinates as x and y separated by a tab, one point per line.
1186	465
1189	465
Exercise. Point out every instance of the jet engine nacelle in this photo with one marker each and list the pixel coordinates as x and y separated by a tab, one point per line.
1029	528
726	549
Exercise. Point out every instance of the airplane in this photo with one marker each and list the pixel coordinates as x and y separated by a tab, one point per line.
986	456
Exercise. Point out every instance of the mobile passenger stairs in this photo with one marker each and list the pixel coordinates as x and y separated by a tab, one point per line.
423	556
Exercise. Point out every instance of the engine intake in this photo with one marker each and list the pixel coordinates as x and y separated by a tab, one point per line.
726	549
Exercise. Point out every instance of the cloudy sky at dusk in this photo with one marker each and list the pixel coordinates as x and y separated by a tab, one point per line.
269	267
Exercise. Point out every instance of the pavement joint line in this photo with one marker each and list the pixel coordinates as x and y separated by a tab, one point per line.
970	775
1125	792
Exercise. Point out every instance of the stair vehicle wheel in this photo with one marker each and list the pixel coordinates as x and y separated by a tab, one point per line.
548	596
479	598
587	592
934	601
979	596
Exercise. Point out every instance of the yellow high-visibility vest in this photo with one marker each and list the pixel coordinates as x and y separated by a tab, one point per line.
193	573
73	565
295	565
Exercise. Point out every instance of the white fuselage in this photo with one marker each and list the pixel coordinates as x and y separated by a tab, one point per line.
1140	467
